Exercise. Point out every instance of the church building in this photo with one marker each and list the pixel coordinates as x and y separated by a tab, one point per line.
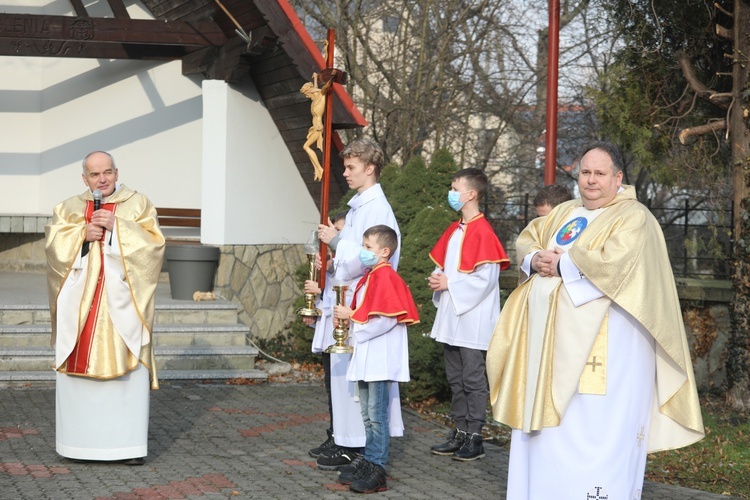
199	103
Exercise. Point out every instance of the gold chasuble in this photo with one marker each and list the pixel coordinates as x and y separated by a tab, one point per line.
102	320
543	343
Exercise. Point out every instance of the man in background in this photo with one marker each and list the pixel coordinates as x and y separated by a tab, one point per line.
549	197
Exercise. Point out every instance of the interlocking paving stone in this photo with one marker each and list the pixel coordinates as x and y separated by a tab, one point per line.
232	441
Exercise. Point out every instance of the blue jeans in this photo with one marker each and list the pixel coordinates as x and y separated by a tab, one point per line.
373	402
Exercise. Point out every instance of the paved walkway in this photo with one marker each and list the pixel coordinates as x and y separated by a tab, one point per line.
226	441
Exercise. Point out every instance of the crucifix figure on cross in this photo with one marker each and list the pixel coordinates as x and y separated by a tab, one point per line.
318	96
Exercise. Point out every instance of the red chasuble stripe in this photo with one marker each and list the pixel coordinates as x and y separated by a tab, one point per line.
78	361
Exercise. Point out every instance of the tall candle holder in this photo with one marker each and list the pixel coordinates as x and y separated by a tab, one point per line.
311	250
340	333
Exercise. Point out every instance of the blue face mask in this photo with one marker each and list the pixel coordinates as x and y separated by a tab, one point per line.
368	257
453	197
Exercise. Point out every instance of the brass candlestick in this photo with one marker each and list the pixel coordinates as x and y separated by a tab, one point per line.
311	250
340	333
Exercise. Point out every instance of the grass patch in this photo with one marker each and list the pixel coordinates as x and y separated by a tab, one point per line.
719	463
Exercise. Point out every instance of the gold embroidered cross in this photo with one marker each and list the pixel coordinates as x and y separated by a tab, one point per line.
593	364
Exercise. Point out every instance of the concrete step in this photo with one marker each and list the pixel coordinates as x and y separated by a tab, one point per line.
25	335
175	335
173	311
212	374
206	358
205	312
23	314
167	358
193	340
19	378
26	358
201	335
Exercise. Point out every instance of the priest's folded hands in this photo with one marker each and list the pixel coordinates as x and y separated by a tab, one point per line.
547	262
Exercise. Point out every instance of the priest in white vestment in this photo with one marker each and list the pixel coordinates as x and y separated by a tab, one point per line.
104	253
589	363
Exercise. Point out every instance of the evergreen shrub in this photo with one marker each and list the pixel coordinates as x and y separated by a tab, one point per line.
418	194
425	354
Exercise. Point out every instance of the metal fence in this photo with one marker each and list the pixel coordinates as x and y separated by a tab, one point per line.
698	237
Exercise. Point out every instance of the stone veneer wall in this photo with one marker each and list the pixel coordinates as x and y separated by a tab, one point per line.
262	279
707	327
22	252
22	242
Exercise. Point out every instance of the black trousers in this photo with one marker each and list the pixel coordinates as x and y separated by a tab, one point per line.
467	378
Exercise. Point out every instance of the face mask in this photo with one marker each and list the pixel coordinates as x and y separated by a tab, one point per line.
453	197
368	257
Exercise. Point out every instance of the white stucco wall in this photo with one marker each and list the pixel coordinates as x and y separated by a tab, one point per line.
253	193
53	111
20	135
147	115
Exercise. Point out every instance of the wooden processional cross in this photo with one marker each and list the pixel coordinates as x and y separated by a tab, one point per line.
319	134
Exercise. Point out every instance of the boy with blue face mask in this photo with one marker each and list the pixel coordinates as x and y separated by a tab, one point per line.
465	283
381	309
363	162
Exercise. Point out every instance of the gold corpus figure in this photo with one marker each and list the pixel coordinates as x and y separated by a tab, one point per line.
317	108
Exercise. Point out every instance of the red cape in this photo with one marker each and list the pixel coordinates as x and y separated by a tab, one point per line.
480	245
386	294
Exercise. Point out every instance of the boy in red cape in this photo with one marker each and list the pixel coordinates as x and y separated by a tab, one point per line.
465	283
381	309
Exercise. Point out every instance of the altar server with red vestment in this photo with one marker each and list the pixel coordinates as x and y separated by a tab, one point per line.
381	310
363	162
469	257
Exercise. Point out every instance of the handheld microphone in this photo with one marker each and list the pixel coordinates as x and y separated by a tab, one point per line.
97	199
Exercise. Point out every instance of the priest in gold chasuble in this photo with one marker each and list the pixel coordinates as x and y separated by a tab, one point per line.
104	255
589	363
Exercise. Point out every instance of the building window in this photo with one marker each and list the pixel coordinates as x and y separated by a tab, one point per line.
390	24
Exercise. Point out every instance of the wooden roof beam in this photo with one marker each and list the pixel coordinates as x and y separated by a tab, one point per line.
20	27
41	48
79	8
118	9
228	63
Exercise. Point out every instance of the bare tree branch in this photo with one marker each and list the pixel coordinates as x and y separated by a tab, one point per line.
688	133
724	32
722	9
699	87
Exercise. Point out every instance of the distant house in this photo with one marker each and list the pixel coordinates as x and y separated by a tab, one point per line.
195	115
